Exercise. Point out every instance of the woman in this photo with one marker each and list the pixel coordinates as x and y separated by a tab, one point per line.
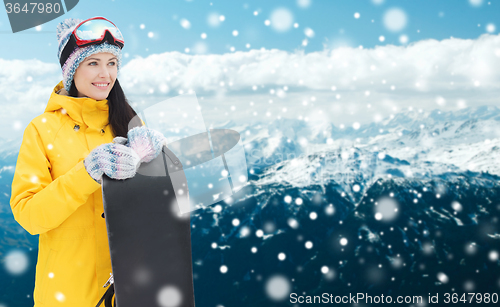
56	190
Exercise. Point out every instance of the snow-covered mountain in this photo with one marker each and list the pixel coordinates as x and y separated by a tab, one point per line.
393	209
467	139
406	206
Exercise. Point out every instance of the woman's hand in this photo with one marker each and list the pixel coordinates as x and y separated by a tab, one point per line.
147	143
115	160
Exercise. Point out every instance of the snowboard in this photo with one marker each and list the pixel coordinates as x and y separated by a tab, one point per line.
149	239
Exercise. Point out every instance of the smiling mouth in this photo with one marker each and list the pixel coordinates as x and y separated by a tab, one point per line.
101	85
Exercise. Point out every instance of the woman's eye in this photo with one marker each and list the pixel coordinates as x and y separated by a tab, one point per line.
114	63
92	63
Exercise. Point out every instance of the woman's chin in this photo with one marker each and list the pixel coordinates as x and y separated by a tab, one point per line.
98	96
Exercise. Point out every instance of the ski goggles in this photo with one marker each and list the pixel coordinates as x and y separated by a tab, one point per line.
97	30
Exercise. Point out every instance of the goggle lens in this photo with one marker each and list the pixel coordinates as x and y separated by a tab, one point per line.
94	30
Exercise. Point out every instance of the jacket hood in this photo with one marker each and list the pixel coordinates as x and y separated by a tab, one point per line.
94	113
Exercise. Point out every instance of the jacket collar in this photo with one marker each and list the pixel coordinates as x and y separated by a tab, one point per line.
93	113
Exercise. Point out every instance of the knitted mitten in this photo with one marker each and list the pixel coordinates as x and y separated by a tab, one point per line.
147	143
117	161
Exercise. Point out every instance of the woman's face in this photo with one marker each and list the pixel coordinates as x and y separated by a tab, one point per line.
96	75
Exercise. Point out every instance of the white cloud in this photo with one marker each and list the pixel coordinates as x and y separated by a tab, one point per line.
410	75
25	86
431	63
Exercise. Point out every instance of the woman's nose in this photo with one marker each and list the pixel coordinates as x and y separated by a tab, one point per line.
103	72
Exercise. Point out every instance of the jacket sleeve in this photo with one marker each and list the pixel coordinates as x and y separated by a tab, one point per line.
39	203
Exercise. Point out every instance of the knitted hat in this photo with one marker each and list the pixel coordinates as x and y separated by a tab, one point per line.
70	63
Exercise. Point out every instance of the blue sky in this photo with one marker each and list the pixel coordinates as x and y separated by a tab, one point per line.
333	23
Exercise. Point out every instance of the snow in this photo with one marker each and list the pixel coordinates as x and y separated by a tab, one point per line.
16	262
449	143
395	19
293	223
223	269
476	2
281	19
493	256
442	277
60	296
278	287
169	296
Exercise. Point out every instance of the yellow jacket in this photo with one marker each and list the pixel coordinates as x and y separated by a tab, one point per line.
53	196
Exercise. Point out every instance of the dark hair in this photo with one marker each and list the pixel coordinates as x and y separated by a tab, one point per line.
120	111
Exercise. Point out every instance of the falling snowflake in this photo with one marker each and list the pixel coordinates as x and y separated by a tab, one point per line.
476	2
442	277
343	241
223	269
213	20
493	255
309	32
169	296
16	262
490	28
304	3
471	248
60	296
456	206
281	19
185	23
293	223
395	19
278	287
